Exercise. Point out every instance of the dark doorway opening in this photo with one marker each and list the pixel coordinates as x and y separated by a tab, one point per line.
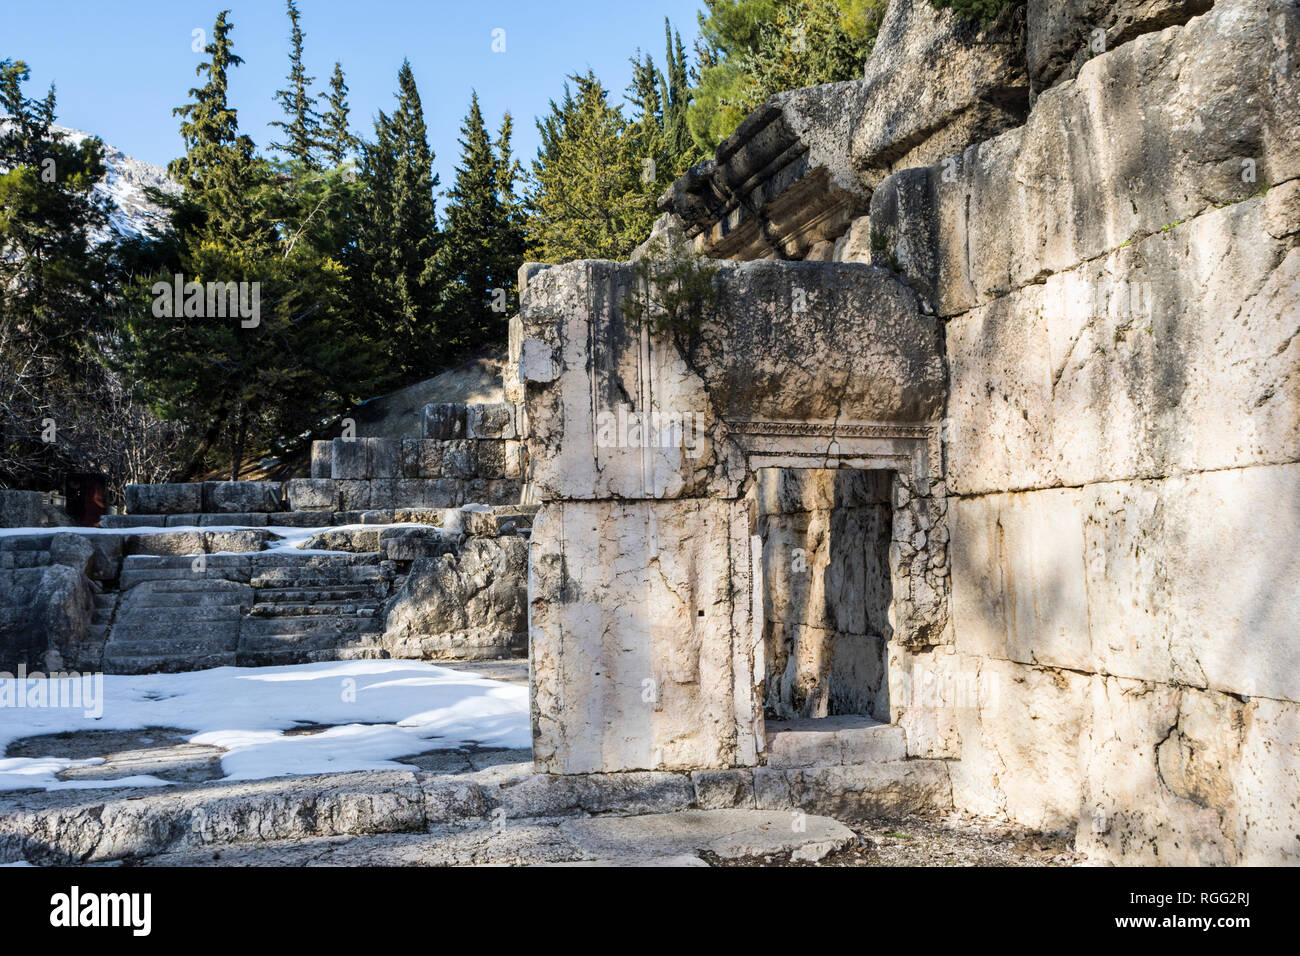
826	591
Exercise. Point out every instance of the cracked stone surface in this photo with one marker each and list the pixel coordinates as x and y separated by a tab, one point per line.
671	839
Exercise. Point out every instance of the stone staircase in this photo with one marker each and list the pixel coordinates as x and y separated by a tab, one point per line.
198	576
178	613
322	612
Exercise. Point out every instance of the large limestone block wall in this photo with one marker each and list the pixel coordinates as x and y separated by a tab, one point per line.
641	656
1120	283
615	411
645	597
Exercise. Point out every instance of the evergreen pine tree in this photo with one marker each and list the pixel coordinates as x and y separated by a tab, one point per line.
53	286
336	140
676	97
397	237
302	125
586	197
219	165
481	247
244	387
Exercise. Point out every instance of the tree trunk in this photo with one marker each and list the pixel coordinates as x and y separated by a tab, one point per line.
205	445
240	433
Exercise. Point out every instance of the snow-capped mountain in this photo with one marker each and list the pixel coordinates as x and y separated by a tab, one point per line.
124	183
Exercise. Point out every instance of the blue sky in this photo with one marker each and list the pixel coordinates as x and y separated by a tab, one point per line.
120	67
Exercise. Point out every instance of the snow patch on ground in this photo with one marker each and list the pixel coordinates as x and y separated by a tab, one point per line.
379	711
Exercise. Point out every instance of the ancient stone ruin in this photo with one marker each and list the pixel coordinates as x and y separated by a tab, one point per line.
969	481
421	553
994	427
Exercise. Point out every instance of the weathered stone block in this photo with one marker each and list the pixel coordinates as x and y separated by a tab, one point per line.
460	459
44	617
444	421
1019	587
465	606
235	542
241	497
1136	144
1163	603
164	499
421	458
169	542
1087	377
490	459
1021	741
20	509
311	494
384	457
515	458
350	459
1062	35
723	789
490	421
789	360
428	493
936	83
863	791
303	519
133	521
344	539
408	544
322	459
252	520
649	641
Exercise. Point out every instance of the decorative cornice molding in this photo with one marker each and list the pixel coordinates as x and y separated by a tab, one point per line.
833	430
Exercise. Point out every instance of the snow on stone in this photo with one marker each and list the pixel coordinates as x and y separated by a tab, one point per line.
375	711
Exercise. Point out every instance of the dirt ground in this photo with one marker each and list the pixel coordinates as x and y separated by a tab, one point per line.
955	840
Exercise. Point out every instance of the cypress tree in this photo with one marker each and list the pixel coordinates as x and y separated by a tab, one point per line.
586	197
481	247
302	125
336	140
398	236
243	385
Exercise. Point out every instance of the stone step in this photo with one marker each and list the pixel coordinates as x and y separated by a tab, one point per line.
833	740
171	562
343	609
278	649
215	628
172	647
254	628
129	579
114	823
197	604
328	593
164	663
284	578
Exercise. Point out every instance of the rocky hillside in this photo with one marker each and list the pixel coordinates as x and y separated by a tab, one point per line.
124	183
